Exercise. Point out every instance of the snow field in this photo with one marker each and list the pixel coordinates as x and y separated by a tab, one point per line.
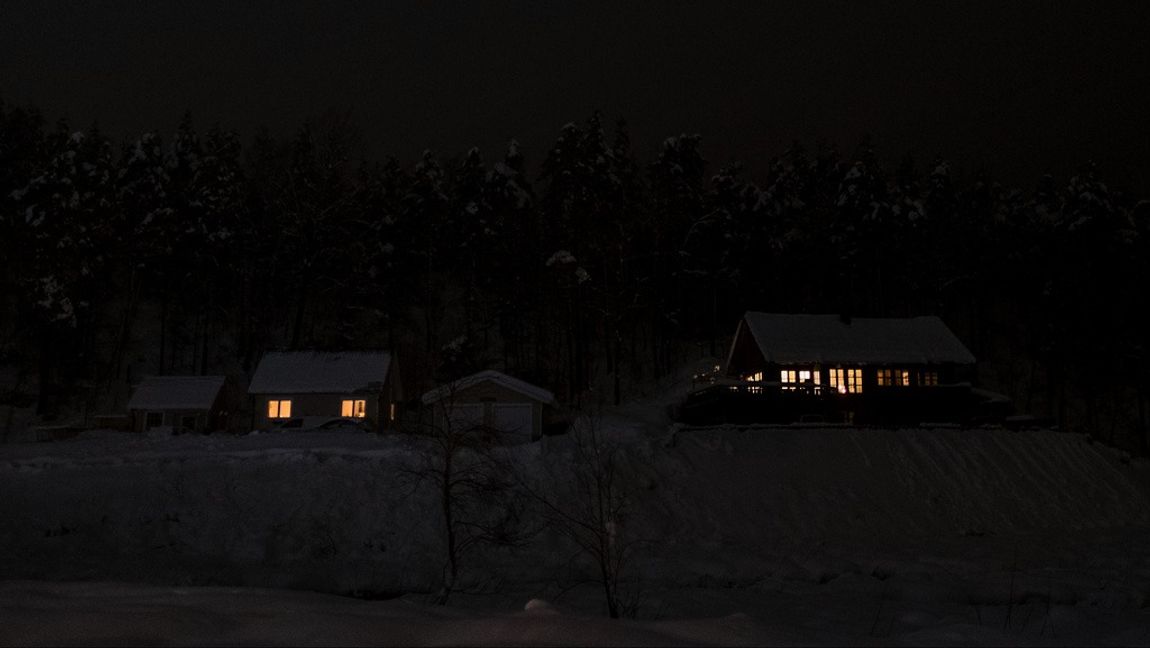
821	535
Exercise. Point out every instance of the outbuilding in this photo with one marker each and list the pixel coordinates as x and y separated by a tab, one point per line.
182	403
512	408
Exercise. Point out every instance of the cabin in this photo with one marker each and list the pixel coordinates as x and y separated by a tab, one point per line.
794	367
513	409
290	386
181	403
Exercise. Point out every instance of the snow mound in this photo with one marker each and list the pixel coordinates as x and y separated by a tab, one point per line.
539	606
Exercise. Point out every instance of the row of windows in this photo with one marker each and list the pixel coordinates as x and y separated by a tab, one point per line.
281	409
792	379
901	378
848	381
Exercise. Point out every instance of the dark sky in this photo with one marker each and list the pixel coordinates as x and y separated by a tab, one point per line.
1018	88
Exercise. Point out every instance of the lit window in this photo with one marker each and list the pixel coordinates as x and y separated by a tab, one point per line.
789	378
279	409
928	378
892	377
353	409
755	377
391	411
846	381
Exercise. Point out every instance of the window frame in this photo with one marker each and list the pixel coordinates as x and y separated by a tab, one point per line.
279	409
353	407
846	380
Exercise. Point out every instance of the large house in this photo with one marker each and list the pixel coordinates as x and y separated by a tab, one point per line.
510	408
786	367
295	385
181	403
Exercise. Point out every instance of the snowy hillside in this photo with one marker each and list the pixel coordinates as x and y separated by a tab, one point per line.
800	526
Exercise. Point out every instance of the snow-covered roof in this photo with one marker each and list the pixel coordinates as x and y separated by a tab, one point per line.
490	375
176	393
314	372
827	339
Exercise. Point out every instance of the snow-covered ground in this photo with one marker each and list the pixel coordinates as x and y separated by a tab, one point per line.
791	535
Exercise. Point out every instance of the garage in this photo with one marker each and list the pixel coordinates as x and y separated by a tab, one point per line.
515	408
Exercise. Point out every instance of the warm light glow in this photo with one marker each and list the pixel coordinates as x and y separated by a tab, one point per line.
279	409
391	411
892	377
793	379
846	381
788	377
928	378
353	408
755	377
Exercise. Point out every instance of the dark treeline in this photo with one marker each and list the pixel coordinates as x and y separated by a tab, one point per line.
190	253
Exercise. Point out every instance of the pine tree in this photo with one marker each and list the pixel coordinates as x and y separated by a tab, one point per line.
68	212
515	256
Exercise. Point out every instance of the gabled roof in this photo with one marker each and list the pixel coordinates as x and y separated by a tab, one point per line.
501	379
176	393
315	372
830	339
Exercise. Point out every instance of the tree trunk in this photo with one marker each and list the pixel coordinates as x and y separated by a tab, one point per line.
46	404
204	330
163	328
297	326
449	529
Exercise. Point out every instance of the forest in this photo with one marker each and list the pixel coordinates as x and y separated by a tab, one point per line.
589	271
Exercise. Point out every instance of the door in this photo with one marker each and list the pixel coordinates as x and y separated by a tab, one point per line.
515	421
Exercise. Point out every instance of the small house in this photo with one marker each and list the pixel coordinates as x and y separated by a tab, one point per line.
510	407
182	403
290	385
787	367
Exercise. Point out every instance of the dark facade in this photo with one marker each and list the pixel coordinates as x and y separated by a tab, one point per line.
199	404
513	410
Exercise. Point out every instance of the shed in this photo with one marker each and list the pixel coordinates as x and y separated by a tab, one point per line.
183	403
512	407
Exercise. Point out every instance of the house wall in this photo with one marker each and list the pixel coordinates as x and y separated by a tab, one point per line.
491	392
948	373
745	357
313	405
330	405
206	421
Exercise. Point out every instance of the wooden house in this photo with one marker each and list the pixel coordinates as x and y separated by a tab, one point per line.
511	408
786	367
181	403
294	385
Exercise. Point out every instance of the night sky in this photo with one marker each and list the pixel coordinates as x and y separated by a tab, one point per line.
1018	89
